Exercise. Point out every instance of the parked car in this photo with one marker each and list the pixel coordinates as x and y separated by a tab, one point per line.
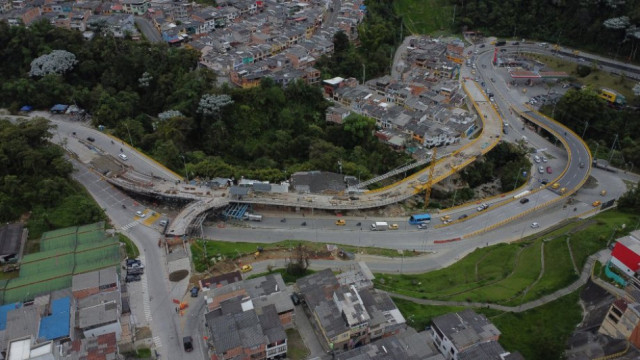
187	343
541	169
482	206
422	226
524	201
393	226
445	218
295	299
536	158
544	159
246	268
463	216
341	222
194	291
140	214
135	271
549	170
132	278
603	192
596	203
91	139
133	261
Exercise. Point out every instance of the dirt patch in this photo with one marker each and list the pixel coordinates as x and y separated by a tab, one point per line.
143	333
178	275
591	183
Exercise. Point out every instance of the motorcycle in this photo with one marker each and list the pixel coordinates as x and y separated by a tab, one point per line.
124	206
304	223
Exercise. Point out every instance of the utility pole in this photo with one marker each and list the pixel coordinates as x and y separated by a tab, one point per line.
364	68
612	146
454	15
586	125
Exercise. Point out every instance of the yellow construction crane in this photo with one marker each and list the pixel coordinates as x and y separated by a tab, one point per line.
432	167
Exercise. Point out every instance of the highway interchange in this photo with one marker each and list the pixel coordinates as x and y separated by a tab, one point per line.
152	298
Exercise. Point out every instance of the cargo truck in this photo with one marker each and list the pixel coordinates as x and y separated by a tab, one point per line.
379	226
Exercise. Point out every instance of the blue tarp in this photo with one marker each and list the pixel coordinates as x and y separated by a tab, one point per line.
56	325
59	108
26	108
4	309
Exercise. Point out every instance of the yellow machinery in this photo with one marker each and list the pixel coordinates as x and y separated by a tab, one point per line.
427	186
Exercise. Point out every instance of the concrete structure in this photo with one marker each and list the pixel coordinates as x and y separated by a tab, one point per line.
455	334
626	254
12	239
100	319
87	284
622	320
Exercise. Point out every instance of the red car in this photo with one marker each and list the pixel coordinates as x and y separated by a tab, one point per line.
549	171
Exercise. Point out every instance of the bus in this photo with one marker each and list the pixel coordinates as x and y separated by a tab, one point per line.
419	219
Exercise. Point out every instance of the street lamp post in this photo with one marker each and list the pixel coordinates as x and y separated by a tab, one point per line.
129	132
186	173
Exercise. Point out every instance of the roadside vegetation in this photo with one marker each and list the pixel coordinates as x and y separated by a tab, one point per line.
607	27
36	181
512	274
131	250
234	250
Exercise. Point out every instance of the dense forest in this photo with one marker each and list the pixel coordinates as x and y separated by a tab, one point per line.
610	27
160	100
35	178
603	127
378	36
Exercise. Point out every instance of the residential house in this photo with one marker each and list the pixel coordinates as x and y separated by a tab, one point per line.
455	333
626	254
135	7
94	282
99	314
408	345
622	321
349	314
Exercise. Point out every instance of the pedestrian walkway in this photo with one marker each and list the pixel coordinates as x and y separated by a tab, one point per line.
584	276
130	225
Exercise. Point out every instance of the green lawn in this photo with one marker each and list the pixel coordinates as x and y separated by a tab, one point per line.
508	273
540	333
597	79
558	270
296	350
425	16
418	316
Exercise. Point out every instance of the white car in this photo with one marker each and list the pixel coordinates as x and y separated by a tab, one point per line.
140	213
123	157
422	226
535	225
541	169
544	159
482	207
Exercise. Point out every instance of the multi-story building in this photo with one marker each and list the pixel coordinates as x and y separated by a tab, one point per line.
246	319
347	314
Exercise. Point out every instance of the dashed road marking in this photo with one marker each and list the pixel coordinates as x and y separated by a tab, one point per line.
157	341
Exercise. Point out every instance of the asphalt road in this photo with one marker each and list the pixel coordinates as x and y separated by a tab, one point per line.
580	155
148	29
151	299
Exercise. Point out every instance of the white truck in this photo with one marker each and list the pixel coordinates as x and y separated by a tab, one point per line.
379	226
252	217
